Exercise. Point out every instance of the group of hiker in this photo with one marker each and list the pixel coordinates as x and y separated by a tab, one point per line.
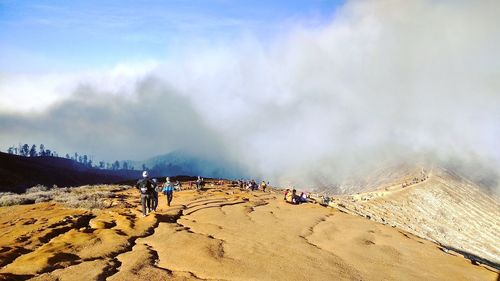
200	183
251	185
149	189
290	196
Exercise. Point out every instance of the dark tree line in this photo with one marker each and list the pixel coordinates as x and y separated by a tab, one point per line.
27	151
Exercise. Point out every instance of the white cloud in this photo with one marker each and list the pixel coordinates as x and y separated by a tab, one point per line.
385	80
36	92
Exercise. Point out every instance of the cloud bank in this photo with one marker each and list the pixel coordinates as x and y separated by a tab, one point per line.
383	82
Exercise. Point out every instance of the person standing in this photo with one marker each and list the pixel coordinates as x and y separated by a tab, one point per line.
154	195
178	186
263	185
145	186
199	183
253	185
168	190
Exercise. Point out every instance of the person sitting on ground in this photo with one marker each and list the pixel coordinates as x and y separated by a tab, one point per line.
168	190
286	193
289	197
303	197
295	198
145	186
292	197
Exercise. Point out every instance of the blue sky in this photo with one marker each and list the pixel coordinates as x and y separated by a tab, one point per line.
38	36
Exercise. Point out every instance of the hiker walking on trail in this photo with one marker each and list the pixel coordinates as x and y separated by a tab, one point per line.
168	190
178	186
145	186
253	185
154	195
263	185
199	183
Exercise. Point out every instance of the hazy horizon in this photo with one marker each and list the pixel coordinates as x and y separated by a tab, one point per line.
304	92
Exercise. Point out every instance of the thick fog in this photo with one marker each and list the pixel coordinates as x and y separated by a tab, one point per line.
383	83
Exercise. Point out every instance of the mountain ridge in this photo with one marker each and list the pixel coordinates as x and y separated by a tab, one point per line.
18	173
440	206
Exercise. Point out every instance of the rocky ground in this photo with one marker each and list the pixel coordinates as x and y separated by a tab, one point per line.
220	233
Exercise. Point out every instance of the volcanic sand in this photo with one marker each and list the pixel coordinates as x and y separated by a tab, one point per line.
444	207
217	234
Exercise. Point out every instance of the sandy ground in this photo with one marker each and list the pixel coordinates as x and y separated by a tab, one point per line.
218	234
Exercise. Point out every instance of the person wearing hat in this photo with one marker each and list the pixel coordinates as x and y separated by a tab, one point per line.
168	190
145	187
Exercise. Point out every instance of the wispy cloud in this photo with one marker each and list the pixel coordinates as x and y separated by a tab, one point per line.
384	82
82	34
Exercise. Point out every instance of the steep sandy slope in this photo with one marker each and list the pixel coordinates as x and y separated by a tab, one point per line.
218	234
443	207
386	175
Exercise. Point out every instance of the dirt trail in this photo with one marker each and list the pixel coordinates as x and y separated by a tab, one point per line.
218	234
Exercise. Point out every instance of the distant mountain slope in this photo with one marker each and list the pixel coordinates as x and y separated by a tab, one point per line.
385	175
443	207
184	163
18	173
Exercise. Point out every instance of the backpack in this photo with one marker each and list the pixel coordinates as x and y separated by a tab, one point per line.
144	186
